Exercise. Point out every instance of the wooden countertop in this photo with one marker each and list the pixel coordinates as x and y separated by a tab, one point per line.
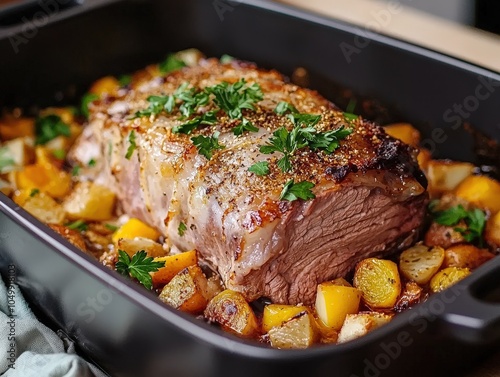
464	42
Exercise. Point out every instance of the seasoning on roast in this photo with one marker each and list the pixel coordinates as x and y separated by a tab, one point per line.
275	187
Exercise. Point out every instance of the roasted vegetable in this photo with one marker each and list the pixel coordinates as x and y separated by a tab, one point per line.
357	325
379	282
135	228
447	277
275	315
230	310
297	332
445	175
15	127
42	206
466	256
481	191
132	245
187	291
173	265
419	263
21	152
71	235
444	236
492	231
91	202
404	132
334	302
412	295
105	85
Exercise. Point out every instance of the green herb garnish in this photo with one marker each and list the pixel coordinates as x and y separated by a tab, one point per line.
79	225
34	192
225	59
60	154
293	191
86	100
132	146
208	118
170	64
244	126
206	145
260	168
75	171
111	227
49	127
138	267
475	220
124	80
91	163
182	229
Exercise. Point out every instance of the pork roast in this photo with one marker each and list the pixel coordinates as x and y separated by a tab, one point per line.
370	195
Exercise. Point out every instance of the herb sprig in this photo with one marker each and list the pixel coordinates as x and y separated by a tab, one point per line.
132	145
139	267
293	191
475	220
6	160
49	127
206	145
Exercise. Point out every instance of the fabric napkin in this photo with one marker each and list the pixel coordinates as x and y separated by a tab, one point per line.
29	348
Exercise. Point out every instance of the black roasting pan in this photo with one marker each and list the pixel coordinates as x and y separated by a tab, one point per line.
49	53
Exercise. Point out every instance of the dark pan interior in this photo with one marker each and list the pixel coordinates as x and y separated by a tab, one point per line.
132	336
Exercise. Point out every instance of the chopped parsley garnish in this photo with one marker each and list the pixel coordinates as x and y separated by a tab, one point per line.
245	125
91	163
111	227
139	267
60	154
49	127
208	118
75	171
293	191
206	145
284	107
124	80
182	229
157	104
34	192
131	148
6	160
170	64
475	220
86	100
225	59
79	225
260	168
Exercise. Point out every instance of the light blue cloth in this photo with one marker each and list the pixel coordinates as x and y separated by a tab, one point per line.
29	348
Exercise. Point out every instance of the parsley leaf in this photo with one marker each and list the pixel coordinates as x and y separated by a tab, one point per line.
86	100
75	171
329	141
209	118
284	107
6	160
124	80
170	64
233	98
157	104
182	229
60	154
49	127
79	225
260	168
207	144
34	192
132	146
111	227
225	59
91	163
475	220
245	125
138	267
293	191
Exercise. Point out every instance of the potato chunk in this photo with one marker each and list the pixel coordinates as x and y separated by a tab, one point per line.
133	245
447	277
357	325
230	310
71	235
43	207
91	202
492	231
404	132
419	263
173	265
187	290
135	228
466	256
444	236
334	302
481	191
445	175
379	282
275	315
298	332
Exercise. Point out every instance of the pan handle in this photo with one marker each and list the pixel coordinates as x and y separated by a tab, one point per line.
474	315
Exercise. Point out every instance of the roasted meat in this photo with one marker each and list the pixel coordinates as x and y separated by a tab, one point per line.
369	200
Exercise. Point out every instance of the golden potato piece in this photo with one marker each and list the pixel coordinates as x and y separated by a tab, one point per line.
13	128
43	207
334	302
275	315
466	256
423	158
298	332
412	295
379	282
233	313
187	291
404	132
492	231
447	277
481	191
173	265
357	325
71	235
133	245
444	236
136	228
105	85
419	263
90	202
445	175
